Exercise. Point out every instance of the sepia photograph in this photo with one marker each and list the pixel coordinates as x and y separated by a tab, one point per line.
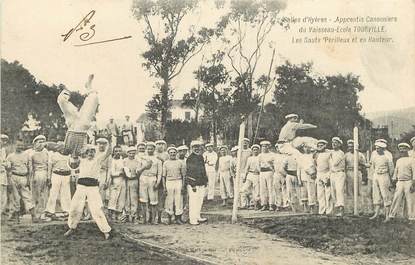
207	132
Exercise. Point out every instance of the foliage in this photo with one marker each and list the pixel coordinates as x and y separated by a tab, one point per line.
406	137
167	54
21	94
183	132
212	97
247	28
331	102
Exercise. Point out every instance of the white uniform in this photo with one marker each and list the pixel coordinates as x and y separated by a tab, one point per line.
3	179
61	183
290	166
266	186
337	177
405	175
280	188
118	189
131	201
325	203
211	158
173	172
251	185
306	173
225	175
362	191
382	166
127	132
88	172
19	164
148	180
40	191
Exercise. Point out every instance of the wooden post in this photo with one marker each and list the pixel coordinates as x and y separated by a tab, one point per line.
355	168
238	173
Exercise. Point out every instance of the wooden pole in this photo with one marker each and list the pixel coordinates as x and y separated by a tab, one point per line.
355	168
238	173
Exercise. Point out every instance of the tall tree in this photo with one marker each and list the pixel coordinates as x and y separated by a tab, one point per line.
330	102
211	96
168	53
21	94
245	19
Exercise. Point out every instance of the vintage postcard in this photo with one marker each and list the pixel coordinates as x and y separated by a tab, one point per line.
207	132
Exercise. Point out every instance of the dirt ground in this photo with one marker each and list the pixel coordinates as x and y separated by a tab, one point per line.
285	240
224	243
45	244
349	236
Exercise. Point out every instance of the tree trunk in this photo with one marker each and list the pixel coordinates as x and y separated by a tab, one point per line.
215	136
165	106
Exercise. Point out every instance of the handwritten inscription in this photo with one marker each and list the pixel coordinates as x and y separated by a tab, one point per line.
86	30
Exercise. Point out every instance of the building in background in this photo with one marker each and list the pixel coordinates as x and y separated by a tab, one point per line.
180	112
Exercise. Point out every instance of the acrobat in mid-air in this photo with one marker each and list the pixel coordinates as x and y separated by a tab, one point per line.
287	138
78	121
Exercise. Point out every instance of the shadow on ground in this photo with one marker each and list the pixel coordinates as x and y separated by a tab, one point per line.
344	236
45	244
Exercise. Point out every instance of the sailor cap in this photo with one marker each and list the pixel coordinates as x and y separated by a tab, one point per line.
150	144
337	139
182	148
401	145
292	115
234	149
380	144
131	149
255	146
102	140
171	148
161	142
265	142
195	143
39	137
322	141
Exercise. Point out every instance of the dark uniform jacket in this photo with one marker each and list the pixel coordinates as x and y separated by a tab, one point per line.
195	171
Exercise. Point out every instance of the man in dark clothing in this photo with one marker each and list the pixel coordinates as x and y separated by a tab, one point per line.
196	182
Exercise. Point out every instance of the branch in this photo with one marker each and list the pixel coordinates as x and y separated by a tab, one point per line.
231	59
241	38
185	60
147	20
257	51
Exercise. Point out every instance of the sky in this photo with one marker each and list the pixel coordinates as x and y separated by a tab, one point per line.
31	33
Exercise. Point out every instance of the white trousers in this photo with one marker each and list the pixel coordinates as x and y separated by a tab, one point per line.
281	193
81	120
251	186
117	194
291	189
266	188
174	197
40	190
325	202
61	188
308	192
338	181
211	174
90	194
195	203
403	190
226	190
380	191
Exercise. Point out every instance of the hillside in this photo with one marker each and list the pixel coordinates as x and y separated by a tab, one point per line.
398	121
